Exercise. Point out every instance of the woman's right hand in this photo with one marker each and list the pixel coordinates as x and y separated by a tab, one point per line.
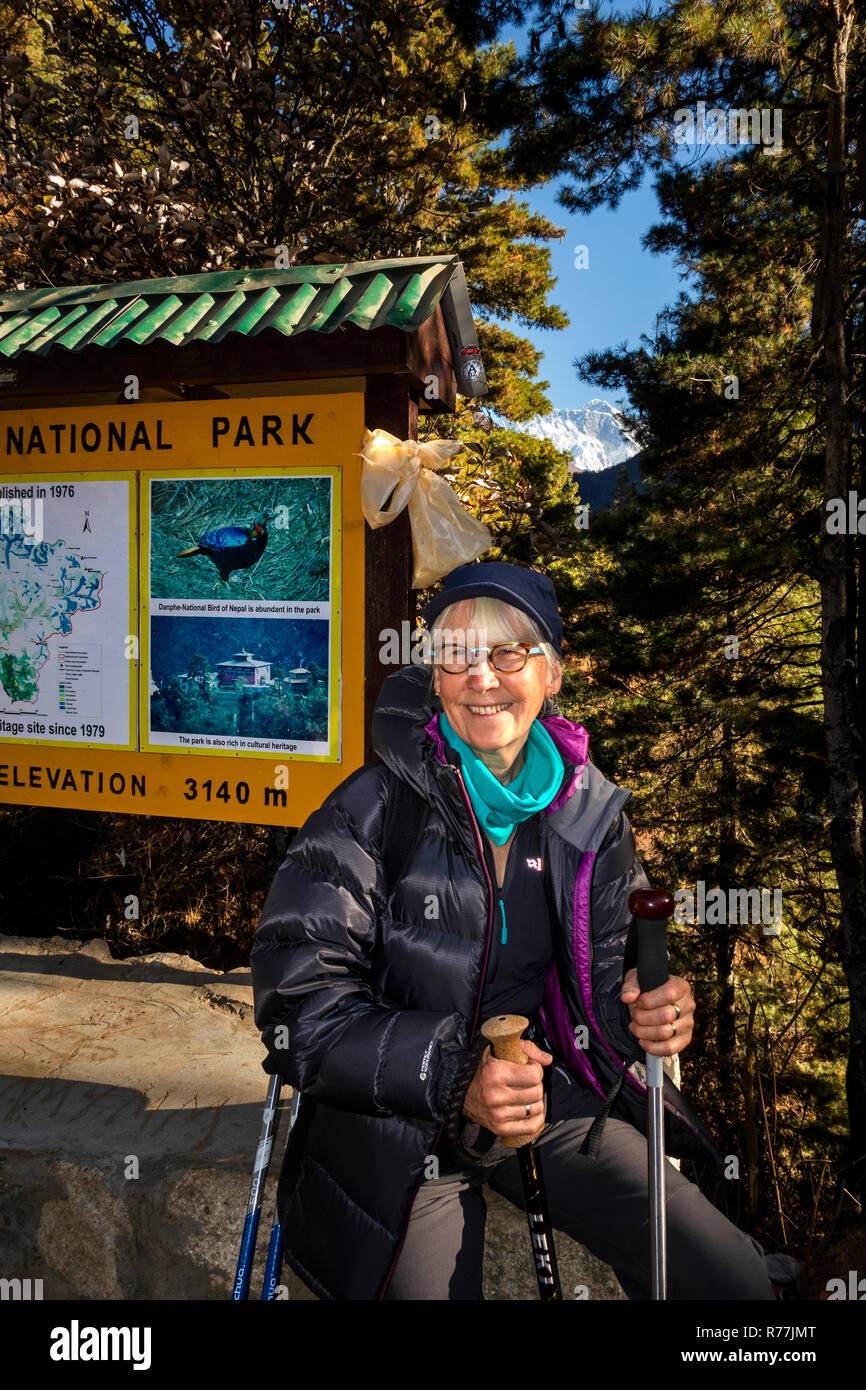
500	1092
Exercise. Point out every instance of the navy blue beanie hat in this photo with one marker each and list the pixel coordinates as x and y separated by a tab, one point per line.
527	590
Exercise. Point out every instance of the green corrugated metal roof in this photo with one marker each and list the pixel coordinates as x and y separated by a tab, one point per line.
206	308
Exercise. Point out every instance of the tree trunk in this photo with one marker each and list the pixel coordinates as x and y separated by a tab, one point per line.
838	672
726	932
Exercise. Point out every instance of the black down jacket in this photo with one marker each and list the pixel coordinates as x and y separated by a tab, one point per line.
379	1005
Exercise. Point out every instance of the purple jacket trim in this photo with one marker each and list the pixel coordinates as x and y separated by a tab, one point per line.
581	960
573	741
580	941
433	730
557	1026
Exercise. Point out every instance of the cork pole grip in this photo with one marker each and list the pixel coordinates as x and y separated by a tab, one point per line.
504	1033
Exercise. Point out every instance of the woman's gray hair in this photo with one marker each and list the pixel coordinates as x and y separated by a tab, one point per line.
487	612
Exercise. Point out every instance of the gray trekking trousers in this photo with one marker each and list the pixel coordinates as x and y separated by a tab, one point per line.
601	1202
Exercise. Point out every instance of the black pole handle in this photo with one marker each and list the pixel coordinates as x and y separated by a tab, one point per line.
651	907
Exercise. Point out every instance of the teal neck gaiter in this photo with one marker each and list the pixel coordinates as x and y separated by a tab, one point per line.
500	808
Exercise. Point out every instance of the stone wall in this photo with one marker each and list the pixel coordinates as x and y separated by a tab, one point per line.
130	1109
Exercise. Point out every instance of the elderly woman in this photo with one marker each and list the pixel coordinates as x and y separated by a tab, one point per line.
510	894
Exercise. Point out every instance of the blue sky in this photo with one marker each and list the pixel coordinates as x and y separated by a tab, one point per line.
617	297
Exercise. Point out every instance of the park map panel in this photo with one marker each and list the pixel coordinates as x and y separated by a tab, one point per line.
67	605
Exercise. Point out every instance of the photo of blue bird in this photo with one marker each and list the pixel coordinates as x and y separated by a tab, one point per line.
233	548
260	537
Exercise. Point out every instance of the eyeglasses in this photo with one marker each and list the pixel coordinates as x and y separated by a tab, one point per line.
507	657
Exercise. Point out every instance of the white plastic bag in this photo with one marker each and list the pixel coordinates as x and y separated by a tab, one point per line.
444	534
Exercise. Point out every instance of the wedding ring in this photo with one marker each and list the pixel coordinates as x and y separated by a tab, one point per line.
676	1012
528	1111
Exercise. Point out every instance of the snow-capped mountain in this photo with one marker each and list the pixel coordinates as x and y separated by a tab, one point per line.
589	433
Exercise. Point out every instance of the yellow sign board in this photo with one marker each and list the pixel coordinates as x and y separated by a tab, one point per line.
182	586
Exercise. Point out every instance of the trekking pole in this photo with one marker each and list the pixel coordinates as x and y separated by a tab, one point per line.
503	1033
260	1172
651	907
275	1245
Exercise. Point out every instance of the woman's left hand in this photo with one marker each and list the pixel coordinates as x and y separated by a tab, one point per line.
655	1021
